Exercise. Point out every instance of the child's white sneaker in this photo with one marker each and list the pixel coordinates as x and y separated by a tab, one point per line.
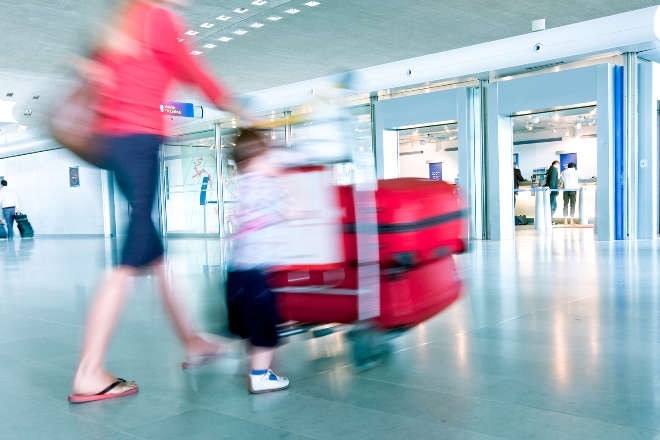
264	381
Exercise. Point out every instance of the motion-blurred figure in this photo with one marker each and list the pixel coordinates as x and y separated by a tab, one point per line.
250	302
132	69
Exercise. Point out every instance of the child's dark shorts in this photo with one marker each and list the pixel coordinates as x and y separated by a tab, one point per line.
251	307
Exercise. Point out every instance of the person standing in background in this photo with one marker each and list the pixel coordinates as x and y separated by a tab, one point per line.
517	178
570	182
133	67
9	204
552	182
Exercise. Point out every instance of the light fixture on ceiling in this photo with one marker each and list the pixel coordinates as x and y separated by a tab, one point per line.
191	33
223	17
256	25
292	11
196	52
225	39
240	32
259	2
312	4
274	18
180	40
241	10
206	25
210	45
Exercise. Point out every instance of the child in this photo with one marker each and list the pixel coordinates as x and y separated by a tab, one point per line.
250	302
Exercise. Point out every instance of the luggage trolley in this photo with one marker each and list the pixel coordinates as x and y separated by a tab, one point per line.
375	257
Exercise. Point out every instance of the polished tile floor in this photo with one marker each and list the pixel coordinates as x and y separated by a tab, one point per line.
557	337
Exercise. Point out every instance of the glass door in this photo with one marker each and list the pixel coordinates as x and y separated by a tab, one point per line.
190	179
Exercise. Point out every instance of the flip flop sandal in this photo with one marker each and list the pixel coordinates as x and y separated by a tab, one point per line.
201	359
106	393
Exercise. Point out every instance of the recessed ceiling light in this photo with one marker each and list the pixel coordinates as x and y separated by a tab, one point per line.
274	18
240	32
225	39
210	45
191	32
312	4
256	25
196	52
241	10
292	11
206	25
180	40
259	2
223	17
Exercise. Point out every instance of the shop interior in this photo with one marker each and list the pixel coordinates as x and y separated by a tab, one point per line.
430	151
565	135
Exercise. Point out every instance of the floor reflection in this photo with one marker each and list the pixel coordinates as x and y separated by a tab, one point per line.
557	336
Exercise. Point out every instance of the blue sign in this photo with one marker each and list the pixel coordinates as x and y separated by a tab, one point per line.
435	171
183	109
565	159
202	194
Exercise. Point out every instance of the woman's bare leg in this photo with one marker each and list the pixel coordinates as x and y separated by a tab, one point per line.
90	376
193	343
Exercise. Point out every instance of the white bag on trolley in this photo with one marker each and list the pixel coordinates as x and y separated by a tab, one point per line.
311	237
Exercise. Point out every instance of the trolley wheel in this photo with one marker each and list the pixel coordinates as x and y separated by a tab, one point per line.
370	347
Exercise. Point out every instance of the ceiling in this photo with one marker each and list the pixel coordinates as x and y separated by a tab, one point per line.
336	35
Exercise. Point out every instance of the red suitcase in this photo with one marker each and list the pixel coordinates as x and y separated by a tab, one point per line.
418	220
408	296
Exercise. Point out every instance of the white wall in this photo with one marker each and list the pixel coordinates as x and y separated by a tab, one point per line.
41	181
417	165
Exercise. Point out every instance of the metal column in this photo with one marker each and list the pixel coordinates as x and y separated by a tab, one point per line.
630	76
219	185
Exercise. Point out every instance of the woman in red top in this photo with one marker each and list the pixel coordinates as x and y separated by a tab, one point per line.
133	70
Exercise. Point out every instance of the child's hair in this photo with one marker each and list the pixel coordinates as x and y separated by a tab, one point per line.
250	143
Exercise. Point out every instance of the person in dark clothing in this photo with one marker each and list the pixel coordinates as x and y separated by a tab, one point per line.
552	181
517	178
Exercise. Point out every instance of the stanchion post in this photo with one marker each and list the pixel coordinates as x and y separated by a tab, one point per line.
539	214
582	207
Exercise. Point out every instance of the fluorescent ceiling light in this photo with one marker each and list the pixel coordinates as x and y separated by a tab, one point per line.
180	40
240	32
241	10
223	17
256	25
191	32
206	25
292	11
312	4
209	45
274	18
225	39
196	52
259	2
